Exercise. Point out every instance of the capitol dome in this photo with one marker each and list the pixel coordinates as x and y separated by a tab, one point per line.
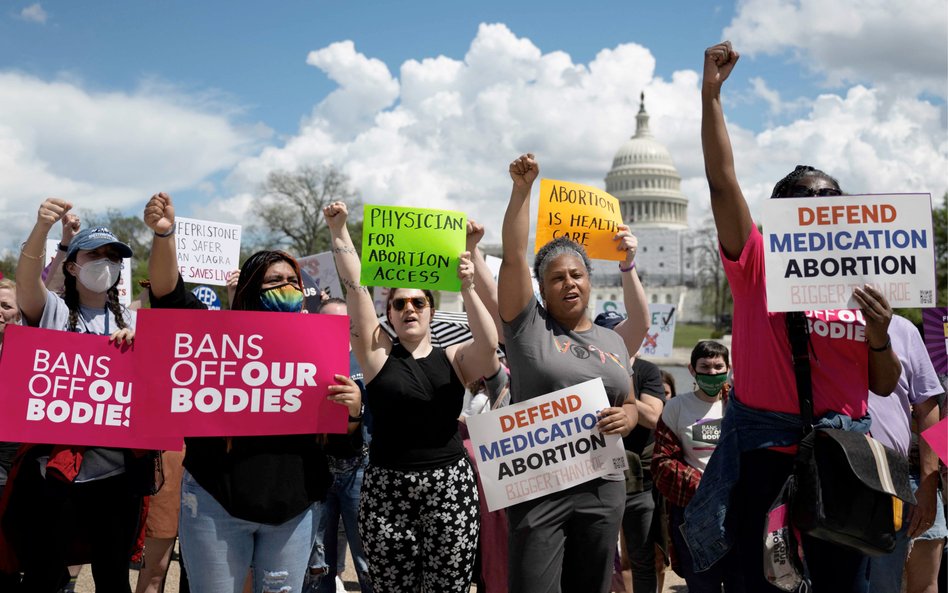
644	179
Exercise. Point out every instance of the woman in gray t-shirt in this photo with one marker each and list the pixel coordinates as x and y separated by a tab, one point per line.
80	502
564	541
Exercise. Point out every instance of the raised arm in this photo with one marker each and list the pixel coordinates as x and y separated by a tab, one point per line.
370	344
514	282
634	327
163	261
484	284
55	280
478	357
30	290
731	214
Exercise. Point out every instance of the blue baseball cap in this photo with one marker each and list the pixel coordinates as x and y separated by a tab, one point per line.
609	319
89	239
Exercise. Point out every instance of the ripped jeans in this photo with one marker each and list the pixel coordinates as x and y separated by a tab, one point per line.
219	549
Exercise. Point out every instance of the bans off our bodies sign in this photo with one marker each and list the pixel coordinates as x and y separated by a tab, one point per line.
412	247
70	388
546	444
819	249
240	373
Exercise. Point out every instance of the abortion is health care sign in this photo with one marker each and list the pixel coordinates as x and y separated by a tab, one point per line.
547	444
70	388
240	373
818	249
587	215
412	247
207	251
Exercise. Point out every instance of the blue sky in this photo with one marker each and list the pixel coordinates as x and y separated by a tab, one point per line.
106	102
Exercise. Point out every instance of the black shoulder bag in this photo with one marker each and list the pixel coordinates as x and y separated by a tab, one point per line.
847	488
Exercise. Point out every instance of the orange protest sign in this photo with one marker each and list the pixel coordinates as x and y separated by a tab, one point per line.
583	213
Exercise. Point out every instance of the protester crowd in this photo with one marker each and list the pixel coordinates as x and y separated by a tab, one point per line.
400	487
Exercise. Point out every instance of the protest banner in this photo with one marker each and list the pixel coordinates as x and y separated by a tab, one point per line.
240	373
935	328
412	247
660	337
546	444
70	388
322	268
587	215
207	251
818	249
206	295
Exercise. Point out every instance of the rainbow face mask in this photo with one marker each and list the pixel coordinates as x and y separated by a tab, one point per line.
285	298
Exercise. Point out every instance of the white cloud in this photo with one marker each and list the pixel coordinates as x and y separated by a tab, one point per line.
446	138
102	150
897	45
34	13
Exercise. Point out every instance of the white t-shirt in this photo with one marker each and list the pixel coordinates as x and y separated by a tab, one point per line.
697	424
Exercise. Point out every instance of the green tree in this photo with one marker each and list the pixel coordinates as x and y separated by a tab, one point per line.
128	229
291	210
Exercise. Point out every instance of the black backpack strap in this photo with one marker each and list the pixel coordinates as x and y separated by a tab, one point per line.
798	330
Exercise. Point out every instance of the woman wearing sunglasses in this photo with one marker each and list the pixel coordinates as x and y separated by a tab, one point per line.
419	515
762	426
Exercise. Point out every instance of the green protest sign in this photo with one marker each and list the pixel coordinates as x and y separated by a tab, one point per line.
412	247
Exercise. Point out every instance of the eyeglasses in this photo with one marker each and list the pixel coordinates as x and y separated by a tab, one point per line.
804	191
418	303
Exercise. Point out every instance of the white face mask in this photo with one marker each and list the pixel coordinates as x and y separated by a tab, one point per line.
99	275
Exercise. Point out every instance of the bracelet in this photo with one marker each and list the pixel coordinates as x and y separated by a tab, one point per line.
40	257
888	344
165	235
355	418
629	269
63	248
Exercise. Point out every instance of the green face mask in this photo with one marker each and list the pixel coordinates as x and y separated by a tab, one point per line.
710	384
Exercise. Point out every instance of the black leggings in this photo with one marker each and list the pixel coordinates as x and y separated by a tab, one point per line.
93	522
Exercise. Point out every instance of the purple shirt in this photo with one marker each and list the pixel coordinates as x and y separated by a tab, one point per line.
892	416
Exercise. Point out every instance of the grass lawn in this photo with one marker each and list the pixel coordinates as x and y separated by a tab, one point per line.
688	334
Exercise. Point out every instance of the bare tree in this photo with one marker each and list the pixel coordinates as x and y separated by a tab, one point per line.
710	278
291	212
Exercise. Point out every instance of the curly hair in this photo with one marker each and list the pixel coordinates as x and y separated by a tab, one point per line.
555	248
782	189
247	294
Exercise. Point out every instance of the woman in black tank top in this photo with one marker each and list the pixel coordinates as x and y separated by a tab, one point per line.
419	511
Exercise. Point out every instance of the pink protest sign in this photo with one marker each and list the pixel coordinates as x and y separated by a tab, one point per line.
937	438
70	389
240	373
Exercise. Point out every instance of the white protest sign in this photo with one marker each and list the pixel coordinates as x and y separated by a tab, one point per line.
543	445
493	264
818	249
603	305
207	251
660	337
322	268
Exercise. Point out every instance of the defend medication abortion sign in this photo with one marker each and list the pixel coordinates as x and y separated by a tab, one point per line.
207	251
547	444
587	215
412	247
70	388
819	249
236	373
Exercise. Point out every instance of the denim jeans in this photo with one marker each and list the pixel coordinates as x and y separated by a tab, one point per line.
341	500
219	548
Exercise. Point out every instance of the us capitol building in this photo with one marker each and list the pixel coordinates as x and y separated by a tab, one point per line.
644	180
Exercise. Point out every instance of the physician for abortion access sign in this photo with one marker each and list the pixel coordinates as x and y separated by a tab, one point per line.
546	444
817	250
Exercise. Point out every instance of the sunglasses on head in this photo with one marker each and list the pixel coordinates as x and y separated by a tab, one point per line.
418	303
803	191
